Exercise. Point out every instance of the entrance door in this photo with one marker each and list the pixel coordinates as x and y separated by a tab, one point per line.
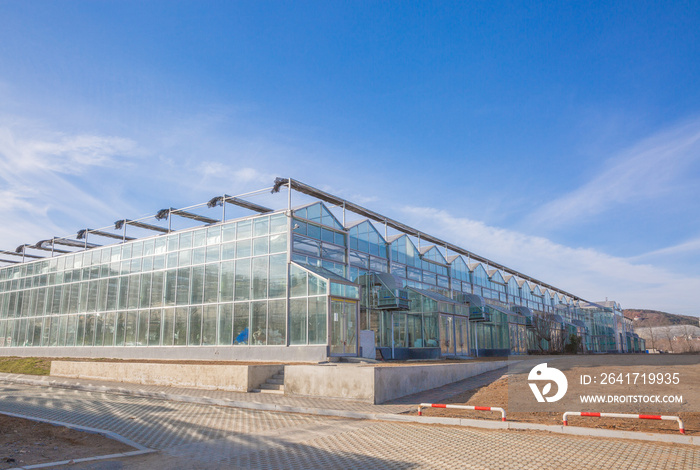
447	335
343	317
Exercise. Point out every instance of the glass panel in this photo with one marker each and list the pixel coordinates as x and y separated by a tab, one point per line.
209	321
119	334
211	283
278	276
130	329
154	328
259	323
277	322
168	326
317	320
197	292
241	319
226	285
260	246
180	335
195	326
225	324
242	279
298	321
170	279
260	278
110	329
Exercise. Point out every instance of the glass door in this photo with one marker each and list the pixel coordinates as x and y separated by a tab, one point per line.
447	335
343	317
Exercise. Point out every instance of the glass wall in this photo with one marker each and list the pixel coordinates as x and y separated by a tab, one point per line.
223	284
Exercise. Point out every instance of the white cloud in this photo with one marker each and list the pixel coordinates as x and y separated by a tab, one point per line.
44	176
585	272
688	247
654	167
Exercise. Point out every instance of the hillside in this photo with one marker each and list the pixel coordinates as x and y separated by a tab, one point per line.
653	318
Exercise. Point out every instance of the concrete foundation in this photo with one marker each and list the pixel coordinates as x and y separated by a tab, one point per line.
233	378
377	384
311	353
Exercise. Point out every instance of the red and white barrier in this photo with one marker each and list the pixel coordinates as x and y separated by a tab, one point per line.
621	415
462	407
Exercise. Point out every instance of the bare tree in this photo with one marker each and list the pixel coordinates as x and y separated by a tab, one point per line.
652	336
547	328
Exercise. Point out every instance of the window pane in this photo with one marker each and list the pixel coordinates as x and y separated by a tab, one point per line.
133	301
154	328
130	329
119	334
260	226
260	278
99	328
241	319
110	329
242	279
170	279
145	296
180	335
183	286
157	289
278	243
317	320
278	276
225	324
298	280
197	285
260	246
168	326
297	321
211	283
142	339
259	323
195	326
226	285
243	248
209	322
277	322
244	229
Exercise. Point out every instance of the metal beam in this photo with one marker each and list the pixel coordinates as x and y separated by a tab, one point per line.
73	243
9	261
164	213
335	200
236	201
83	233
20	254
119	224
40	246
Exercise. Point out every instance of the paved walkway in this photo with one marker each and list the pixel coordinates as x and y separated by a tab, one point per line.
191	435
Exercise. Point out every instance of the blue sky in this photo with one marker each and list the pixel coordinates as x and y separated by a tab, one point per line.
561	140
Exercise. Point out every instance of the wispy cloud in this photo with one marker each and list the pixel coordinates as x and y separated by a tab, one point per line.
687	247
652	168
43	174
586	272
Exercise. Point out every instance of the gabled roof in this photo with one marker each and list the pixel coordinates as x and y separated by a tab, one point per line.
324	216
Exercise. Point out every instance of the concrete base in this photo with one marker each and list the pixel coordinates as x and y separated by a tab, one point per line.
377	384
233	378
311	353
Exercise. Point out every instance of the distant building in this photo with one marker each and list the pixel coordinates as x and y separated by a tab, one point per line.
293	283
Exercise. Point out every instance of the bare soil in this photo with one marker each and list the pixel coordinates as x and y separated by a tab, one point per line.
496	394
26	442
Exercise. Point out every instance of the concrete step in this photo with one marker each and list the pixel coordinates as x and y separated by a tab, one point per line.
276	392
269	386
275	381
278	376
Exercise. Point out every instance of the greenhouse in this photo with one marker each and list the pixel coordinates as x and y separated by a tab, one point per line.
298	283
